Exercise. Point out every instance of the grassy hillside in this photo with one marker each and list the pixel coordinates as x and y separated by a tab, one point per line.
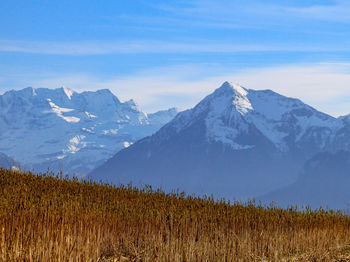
45	218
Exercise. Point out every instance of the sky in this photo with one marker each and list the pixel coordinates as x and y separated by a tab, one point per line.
174	53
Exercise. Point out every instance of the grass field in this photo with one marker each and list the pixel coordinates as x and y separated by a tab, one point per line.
46	218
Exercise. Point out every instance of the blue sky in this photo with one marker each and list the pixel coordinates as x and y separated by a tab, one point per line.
173	53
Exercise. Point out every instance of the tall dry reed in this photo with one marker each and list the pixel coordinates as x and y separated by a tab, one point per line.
46	218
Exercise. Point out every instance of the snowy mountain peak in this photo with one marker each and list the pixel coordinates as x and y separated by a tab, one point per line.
229	95
43	127
68	92
232	137
232	112
231	89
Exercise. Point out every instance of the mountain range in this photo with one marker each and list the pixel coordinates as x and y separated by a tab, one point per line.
236	142
60	129
323	182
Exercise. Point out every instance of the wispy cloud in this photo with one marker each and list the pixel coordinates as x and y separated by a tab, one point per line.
331	11
258	13
337	12
135	47
238	19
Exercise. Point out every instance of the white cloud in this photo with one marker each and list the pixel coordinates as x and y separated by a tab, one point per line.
325	86
160	47
226	10
337	12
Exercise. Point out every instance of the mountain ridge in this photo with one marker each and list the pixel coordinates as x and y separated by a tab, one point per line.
323	182
236	142
61	128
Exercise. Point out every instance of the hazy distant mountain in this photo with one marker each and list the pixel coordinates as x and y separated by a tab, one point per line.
324	181
61	128
5	161
235	143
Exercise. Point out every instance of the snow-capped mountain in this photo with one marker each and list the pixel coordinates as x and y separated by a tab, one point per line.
232	112
323	182
235	143
59	128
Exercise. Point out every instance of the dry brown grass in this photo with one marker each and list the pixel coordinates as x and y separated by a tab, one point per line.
43	218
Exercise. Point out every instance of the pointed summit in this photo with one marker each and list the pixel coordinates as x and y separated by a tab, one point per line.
232	137
227	95
230	88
